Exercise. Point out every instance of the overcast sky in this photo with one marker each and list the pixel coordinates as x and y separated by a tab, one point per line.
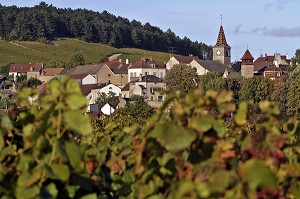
267	26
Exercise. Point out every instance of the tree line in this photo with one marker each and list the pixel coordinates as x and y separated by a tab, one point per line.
45	22
284	90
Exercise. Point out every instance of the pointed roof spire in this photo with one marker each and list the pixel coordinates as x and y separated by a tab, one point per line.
221	38
247	58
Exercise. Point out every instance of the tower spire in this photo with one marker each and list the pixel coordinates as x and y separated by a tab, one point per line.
221	20
221	38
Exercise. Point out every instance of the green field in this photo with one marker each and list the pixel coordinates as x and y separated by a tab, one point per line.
35	52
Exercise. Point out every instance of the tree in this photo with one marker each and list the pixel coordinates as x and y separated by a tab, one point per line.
296	58
278	93
255	89
111	99
181	78
293	98
137	109
77	60
32	83
212	81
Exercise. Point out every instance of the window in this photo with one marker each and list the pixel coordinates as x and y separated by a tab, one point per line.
154	73
131	74
160	98
146	73
151	98
134	74
161	74
108	75
151	90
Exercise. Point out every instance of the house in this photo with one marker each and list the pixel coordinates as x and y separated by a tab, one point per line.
146	87
179	59
46	74
107	109
204	66
92	92
271	66
83	79
17	70
144	67
119	70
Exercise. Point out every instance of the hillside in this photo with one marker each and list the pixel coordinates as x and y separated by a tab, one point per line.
46	22
34	52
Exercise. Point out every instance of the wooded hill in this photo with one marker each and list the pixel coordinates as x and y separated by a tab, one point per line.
46	22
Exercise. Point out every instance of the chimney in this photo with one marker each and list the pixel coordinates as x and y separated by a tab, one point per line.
127	61
140	77
287	56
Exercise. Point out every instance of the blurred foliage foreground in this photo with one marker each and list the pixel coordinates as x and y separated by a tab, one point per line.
204	147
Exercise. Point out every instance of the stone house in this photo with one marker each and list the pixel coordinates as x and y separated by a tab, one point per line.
146	87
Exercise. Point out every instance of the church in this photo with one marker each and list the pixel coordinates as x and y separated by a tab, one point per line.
270	66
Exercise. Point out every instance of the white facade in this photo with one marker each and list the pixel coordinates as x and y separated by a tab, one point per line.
199	68
111	88
136	72
107	109
172	61
89	79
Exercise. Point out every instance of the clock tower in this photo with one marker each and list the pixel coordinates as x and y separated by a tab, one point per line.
222	51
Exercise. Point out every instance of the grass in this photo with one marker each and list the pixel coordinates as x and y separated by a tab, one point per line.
35	52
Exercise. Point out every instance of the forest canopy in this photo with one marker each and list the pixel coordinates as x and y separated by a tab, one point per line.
46	22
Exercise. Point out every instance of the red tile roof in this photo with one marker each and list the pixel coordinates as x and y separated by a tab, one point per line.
87	88
78	76
146	63
221	38
185	59
247	58
24	68
52	71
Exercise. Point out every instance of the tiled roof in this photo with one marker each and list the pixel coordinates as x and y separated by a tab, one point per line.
126	87
247	55
146	63
24	68
86	69
214	66
52	71
247	58
260	65
151	78
221	38
185	59
117	67
78	76
87	88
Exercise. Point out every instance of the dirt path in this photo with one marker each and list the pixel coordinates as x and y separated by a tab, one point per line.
114	57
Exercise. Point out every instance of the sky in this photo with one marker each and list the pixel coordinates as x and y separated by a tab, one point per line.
265	26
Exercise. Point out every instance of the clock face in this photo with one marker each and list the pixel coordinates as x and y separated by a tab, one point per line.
218	52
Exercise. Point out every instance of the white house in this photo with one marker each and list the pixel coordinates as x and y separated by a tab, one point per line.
107	109
84	79
144	67
179	59
111	88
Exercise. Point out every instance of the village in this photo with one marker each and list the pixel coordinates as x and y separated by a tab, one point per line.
145	77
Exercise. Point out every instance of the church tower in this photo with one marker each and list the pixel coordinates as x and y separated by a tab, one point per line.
247	67
222	51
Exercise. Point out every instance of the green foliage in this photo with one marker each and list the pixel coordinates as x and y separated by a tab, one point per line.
32	82
180	78
183	151
212	81
111	99
59	52
293	97
40	156
77	60
255	89
45	22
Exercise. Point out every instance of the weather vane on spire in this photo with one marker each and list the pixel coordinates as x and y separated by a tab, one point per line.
221	20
